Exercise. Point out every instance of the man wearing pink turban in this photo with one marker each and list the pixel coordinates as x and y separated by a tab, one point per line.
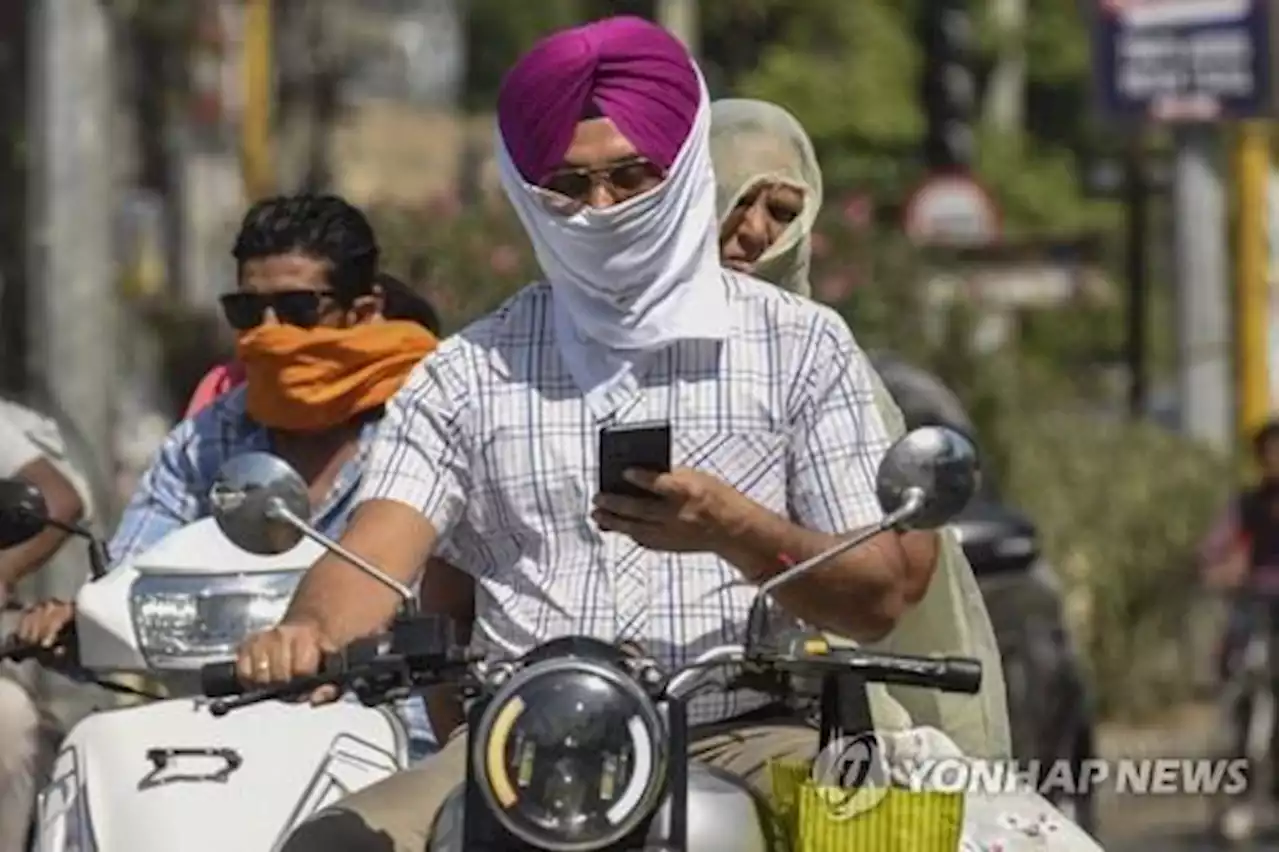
488	456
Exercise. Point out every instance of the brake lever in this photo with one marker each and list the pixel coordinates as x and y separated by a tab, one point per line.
219	707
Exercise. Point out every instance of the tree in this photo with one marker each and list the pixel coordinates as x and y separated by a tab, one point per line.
850	73
497	31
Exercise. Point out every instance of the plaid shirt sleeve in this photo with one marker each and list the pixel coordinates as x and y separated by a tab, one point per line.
838	437
419	456
166	496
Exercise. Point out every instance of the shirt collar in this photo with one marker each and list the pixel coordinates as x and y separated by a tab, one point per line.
232	416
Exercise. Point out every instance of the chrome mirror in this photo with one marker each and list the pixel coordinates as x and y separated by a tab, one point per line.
259	501
261	505
927	477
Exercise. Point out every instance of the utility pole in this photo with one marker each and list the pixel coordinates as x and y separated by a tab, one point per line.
72	298
1007	86
681	18
1203	299
1137	194
948	90
257	150
1254	313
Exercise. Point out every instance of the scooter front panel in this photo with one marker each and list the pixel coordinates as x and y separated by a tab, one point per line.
169	775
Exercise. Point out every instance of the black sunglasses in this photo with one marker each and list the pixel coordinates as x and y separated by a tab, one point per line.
302	308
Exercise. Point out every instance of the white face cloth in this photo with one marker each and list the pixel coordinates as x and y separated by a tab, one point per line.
634	277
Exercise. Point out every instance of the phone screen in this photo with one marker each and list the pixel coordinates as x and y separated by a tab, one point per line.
640	445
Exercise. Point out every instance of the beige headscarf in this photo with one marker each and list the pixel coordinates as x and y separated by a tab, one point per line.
753	142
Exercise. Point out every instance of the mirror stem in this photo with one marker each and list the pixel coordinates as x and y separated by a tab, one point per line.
756	619
97	550
277	511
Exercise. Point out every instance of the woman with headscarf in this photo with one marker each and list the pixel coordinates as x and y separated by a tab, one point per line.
768	195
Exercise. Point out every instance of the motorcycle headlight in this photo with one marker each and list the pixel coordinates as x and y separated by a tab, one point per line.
570	755
183	622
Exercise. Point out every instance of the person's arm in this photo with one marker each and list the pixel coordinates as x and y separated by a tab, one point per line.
1221	552
414	489
837	442
64	506
448	591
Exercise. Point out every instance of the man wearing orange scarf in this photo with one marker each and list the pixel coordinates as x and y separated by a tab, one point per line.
324	341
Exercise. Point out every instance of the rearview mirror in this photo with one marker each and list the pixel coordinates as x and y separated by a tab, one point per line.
23	512
252	498
933	471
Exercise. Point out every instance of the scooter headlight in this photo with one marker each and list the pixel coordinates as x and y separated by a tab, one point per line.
570	755
183	622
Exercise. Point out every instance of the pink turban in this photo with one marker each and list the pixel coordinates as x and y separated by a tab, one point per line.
627	69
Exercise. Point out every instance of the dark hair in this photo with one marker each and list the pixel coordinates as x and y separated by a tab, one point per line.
402	302
1265	436
325	227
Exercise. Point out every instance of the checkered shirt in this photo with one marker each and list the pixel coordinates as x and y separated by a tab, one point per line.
491	439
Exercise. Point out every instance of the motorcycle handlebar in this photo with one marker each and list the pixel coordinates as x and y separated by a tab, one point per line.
16	652
947	674
220	680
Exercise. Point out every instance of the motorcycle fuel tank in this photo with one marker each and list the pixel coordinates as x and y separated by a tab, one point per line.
723	815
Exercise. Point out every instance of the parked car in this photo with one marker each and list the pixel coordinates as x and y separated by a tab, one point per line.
1050	706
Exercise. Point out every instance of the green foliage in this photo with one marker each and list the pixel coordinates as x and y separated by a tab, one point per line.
498	31
850	73
1120	505
466	262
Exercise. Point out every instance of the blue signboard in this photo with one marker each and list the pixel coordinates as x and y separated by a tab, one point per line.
1184	60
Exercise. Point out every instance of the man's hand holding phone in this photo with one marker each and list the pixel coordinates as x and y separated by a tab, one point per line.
681	510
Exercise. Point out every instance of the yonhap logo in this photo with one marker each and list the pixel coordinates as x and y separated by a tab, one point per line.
851	775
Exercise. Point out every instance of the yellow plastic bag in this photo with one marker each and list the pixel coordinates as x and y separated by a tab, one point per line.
830	819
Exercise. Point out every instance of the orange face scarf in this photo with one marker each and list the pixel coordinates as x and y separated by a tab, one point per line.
313	379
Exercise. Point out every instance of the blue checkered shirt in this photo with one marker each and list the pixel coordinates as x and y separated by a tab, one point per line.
492	440
174	492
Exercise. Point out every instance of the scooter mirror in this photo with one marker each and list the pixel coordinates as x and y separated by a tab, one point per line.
258	501
23	512
933	469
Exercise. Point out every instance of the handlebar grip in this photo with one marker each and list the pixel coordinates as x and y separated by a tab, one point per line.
947	674
219	680
16	652
960	674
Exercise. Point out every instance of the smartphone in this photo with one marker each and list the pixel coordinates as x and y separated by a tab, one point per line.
641	445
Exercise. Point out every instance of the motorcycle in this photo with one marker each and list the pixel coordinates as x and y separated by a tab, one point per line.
165	774
1050	704
578	745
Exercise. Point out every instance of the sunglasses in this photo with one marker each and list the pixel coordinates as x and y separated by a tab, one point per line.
302	308
622	180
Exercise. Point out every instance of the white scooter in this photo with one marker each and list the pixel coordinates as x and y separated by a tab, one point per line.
165	774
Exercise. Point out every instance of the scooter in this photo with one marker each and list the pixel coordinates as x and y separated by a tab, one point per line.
165	774
579	745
